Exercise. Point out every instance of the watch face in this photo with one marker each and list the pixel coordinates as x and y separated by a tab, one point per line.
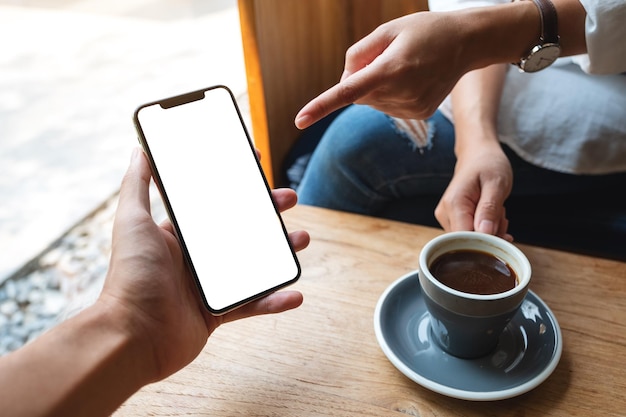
540	57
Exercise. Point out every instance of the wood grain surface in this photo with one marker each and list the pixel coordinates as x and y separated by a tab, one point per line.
323	359
293	51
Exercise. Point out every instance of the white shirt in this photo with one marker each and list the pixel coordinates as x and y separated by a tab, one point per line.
570	117
604	31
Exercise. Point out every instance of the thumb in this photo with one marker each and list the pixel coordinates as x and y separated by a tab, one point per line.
135	188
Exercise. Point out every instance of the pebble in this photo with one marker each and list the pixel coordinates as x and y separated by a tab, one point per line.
63	280
37	299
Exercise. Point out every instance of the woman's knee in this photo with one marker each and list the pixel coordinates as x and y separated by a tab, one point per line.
358	135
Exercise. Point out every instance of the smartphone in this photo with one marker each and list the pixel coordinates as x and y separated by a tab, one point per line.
217	197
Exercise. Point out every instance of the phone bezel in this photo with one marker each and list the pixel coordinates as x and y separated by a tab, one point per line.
183	99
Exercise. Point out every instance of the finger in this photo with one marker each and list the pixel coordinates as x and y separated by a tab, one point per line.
442	217
364	52
299	239
490	208
167	226
461	220
285	198
350	88
277	302
455	216
503	228
488	215
506	236
348	91
321	106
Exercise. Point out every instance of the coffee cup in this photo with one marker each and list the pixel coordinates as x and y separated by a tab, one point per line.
473	285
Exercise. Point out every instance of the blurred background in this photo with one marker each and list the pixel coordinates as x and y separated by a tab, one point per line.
71	74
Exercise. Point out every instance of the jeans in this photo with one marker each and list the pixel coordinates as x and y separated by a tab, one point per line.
366	164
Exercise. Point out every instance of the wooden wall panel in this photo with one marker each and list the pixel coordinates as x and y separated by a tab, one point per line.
295	49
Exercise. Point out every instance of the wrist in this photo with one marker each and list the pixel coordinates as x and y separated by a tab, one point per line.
474	143
499	34
108	360
87	365
132	347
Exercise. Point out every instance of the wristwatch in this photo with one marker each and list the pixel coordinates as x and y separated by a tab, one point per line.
548	49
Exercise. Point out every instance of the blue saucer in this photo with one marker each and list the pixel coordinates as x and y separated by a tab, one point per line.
528	352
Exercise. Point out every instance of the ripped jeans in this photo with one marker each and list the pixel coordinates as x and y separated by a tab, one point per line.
369	163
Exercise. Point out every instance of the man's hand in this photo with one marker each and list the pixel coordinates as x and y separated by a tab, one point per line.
149	284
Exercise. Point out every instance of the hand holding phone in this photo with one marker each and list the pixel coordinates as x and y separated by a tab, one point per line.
217	198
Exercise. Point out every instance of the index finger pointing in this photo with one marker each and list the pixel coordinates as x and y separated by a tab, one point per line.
340	95
321	106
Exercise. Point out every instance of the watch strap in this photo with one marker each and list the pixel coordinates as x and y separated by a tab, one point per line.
549	21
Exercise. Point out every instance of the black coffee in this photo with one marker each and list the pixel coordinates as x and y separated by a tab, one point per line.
473	272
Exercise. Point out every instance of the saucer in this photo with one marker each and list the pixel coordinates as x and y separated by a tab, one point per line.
529	348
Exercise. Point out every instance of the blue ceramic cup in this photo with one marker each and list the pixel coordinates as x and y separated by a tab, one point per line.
465	324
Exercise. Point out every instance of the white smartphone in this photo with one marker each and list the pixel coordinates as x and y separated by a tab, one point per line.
217	197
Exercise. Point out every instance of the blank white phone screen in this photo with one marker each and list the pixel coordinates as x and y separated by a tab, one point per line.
234	236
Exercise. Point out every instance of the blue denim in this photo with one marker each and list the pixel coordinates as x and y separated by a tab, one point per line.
365	164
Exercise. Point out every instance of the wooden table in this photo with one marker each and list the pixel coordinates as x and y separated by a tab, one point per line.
323	358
